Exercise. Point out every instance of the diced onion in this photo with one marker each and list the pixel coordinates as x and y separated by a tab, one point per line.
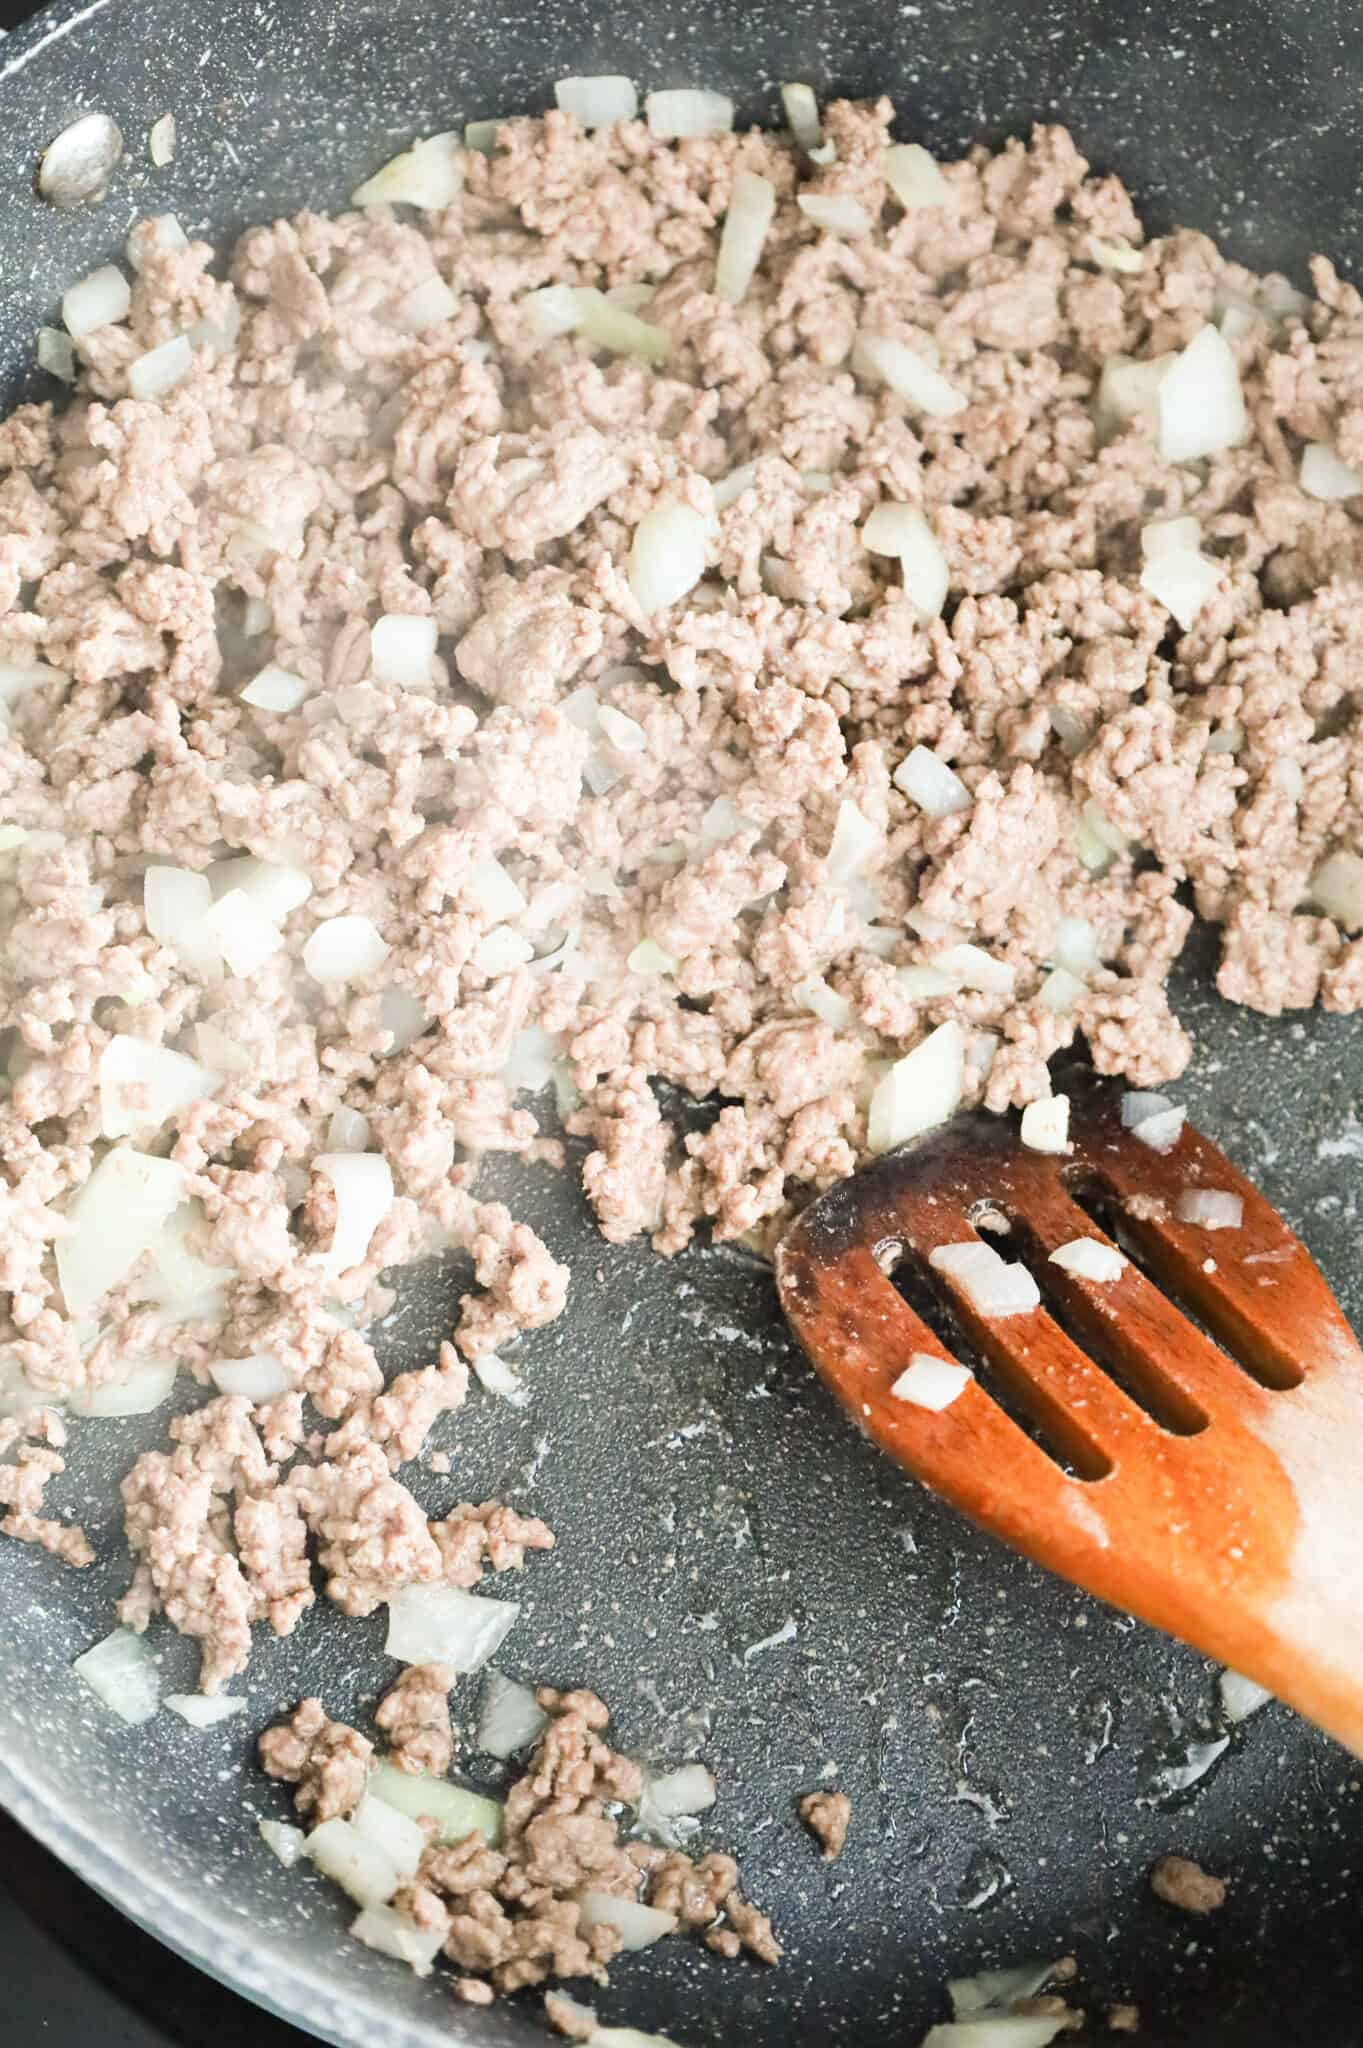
530	1060
1241	1696
1201	405
395	1834
802	112
455	1811
814	994
144	1389
1161	1130
362	1183
1210	1208
672	116
921	1090
597	102
1046	1124
501	950
356	1863
282	1840
444	1625
1337	886
402	648
648	957
275	689
121	1671
258	1378
201	1711
638	1926
723	820
925	984
390	1933
242	933
914	177
994	1286
855	842
118	1214
1128	390
971	967
77	165
625	734
931	1382
510	1718
402	1016
481	136
1089	1259
1076	945
752	203
667	555
491	891
1117	254
430	174
1175	571
343	949
496	1375
995	2030
99	300
186	1286
731	487
426	305
56	355
1322	474
927	781
158	371
1073	732
683	1793
141	1085
607	324
880	360
161	141
348	1131
835	213
176	903
275	888
995	1991
1287	773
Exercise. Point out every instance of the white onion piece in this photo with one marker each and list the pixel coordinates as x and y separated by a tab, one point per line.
982	1051
928	1381
648	957
491	891
1089	1259
994	1991
393	1833
914	177
1161	1131
186	1286
362	1183
77	165
923	566
481	136
921	1090
359	1866
1073	732
672	116
426	305
56	355
814	994
497	1377
1139	1103
1117	254
925	984
272	886
158	371
638	1926
683	1793
1322	474
218	332
121	1671
258	1378
143	1390
444	1625
971	967
201	1711
1288	775
667	555
402	648
882	361
343	949
1201	405
625	734
501	950
175	904
530	1060
1210	1208
597	102
836	213
275	689
510	1718
552	310
118	1214
161	141
1129	390
802	112
723	820
996	2030
142	1085
752	204
1046	1124
994	1286
242	933
1175	571
430	174
282	1840
926	779
1076	945
607	324
390	1933
855	841
1241	1696
348	1131
731	487
1337	886
99	300
455	1811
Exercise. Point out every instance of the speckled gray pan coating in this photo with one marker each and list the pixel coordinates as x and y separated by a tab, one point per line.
999	1733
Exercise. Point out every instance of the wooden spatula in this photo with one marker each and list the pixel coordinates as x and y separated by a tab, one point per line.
1211	1484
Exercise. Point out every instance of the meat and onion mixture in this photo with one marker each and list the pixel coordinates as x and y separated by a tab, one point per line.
623	613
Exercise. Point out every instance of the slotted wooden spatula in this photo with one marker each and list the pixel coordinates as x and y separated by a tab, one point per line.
1211	1484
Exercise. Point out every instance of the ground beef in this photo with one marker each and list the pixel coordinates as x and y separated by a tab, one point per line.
827	1815
327	1761
415	1717
1187	1885
33	1443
